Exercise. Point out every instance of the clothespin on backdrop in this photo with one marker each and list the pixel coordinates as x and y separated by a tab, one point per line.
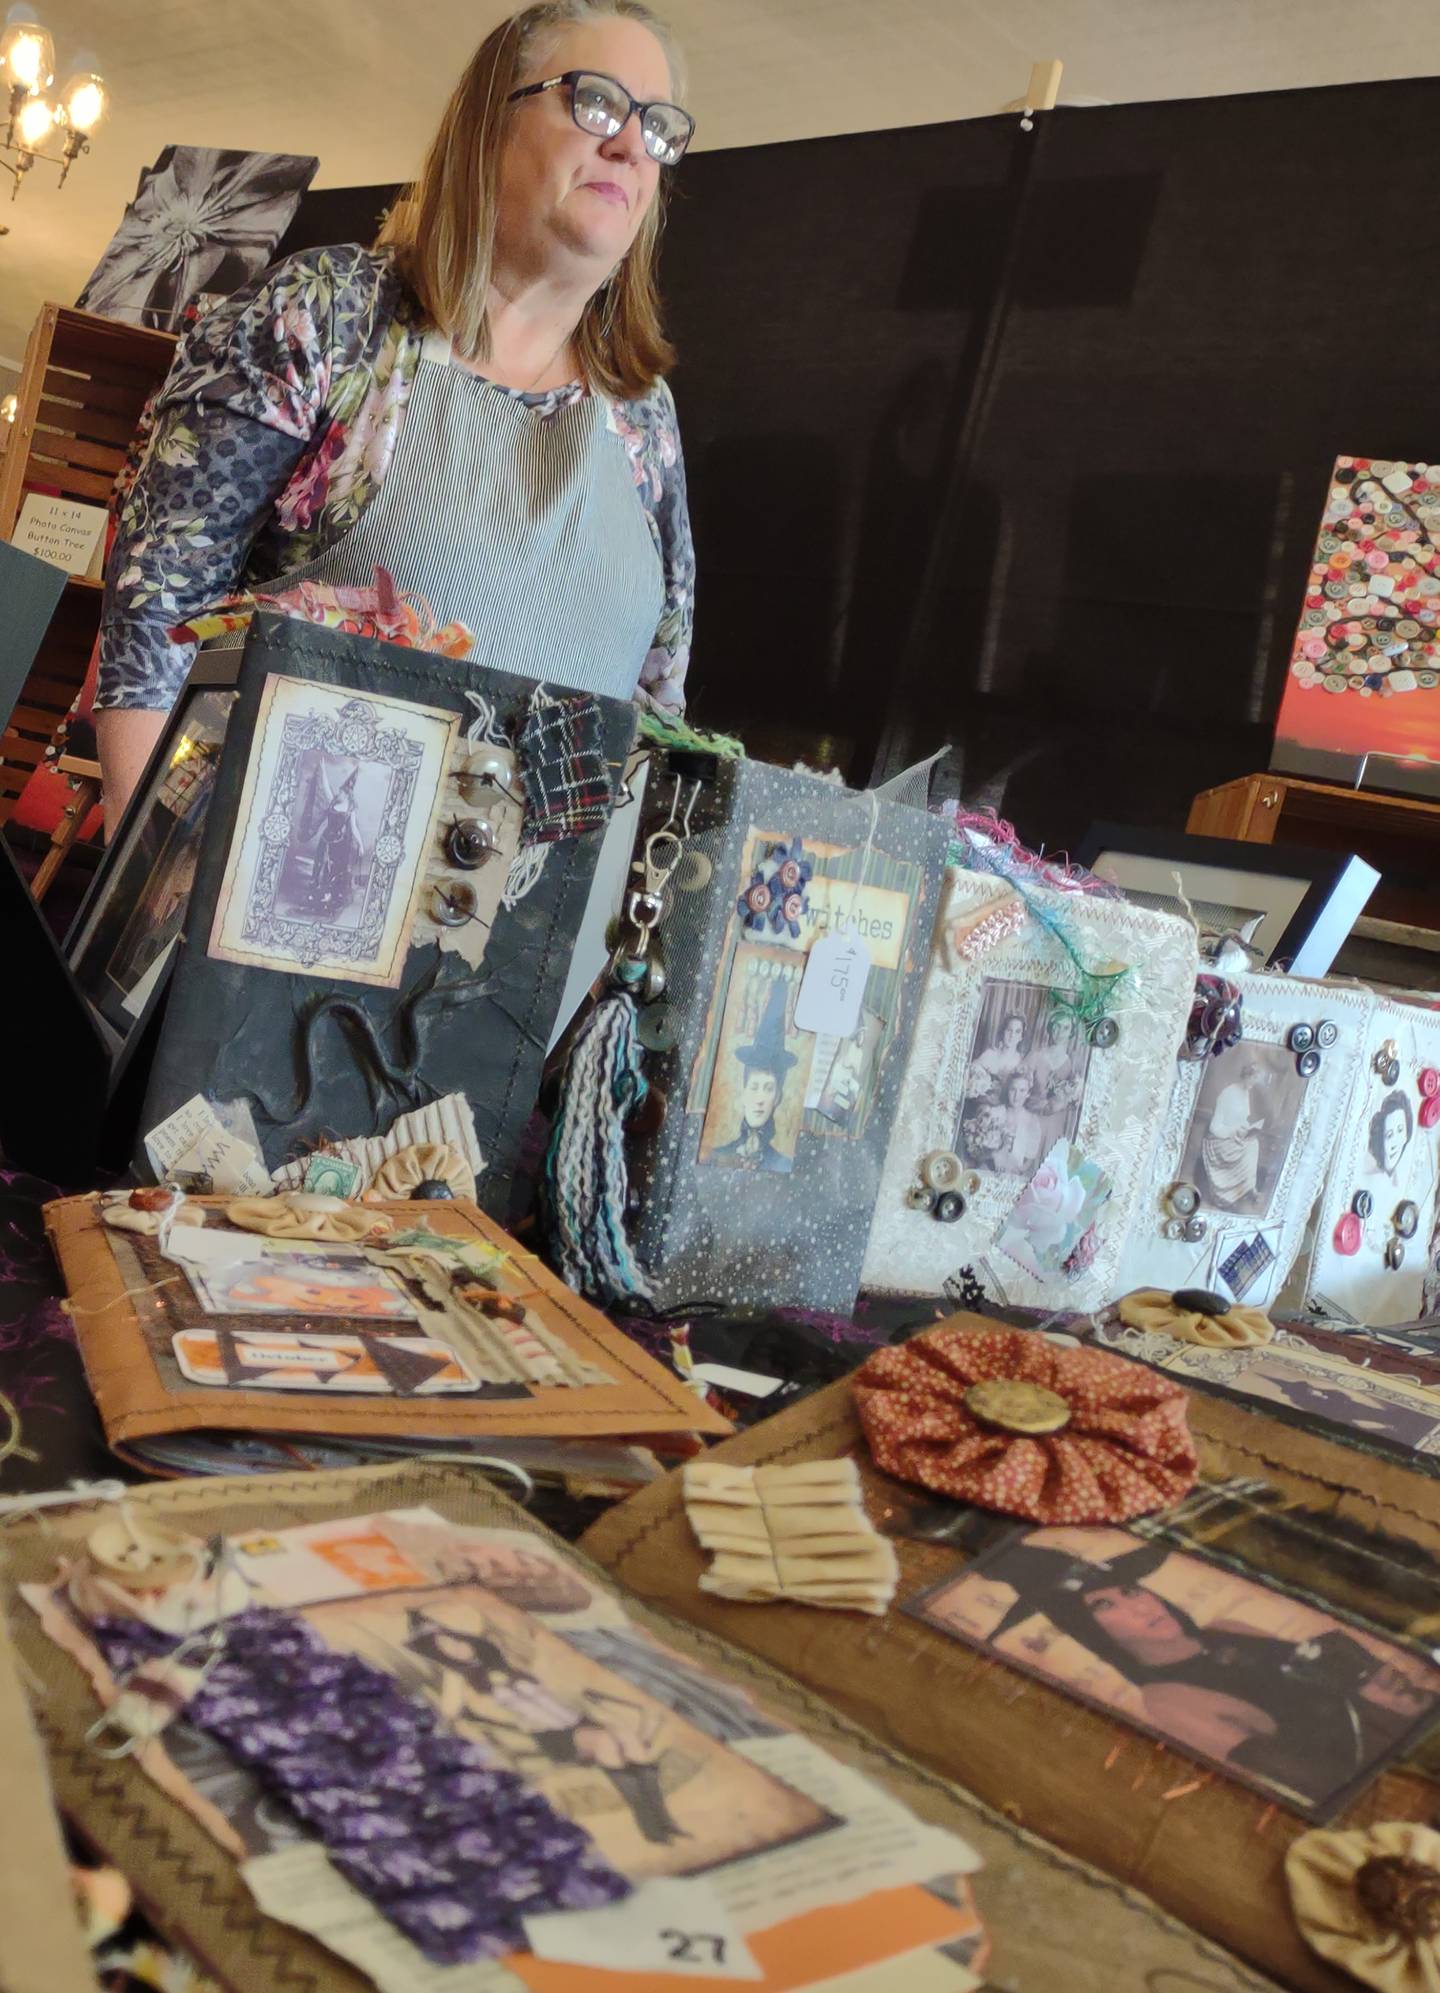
1040	93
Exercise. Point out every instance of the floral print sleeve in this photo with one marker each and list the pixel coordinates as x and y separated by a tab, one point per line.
278	404
651	432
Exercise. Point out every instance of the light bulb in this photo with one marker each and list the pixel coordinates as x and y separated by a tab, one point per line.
34	122
28	50
85	102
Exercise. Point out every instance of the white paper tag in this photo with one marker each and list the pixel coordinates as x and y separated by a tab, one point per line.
753	1383
833	987
668	1925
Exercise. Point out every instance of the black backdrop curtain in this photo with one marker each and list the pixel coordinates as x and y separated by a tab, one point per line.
1019	440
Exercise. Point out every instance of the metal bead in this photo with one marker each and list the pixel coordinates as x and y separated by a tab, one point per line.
656	981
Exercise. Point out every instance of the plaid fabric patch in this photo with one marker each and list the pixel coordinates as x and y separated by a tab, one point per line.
1245	1265
562	762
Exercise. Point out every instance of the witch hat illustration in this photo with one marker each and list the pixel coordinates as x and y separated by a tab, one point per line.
767	1050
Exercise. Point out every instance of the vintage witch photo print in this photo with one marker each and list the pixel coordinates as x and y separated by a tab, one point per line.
333	833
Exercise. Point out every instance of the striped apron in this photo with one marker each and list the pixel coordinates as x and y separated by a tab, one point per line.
527	529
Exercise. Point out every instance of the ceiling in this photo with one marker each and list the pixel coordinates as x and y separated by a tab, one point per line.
360	82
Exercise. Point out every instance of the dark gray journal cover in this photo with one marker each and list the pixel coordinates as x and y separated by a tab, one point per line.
759	1186
340	762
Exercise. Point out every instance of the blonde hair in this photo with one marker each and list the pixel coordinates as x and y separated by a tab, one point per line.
442	229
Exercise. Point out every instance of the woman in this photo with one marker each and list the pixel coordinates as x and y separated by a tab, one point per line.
1391	1127
477	406
505	1697
1295	1713
1231	1148
1022	1148
766	1062
1057	1079
998	1061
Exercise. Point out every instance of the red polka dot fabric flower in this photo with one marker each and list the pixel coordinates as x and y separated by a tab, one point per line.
1009	1421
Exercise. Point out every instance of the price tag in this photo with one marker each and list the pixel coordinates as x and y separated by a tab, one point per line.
668	1925
833	986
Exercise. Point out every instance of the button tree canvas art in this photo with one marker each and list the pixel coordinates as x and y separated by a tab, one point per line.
1364	673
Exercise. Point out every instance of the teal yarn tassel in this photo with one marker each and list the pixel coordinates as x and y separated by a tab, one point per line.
586	1176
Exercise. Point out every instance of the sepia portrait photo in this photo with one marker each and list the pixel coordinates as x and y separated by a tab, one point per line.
333	834
1242	1127
1024	1083
757	1091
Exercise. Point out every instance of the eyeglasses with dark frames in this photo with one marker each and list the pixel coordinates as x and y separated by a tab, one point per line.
602	106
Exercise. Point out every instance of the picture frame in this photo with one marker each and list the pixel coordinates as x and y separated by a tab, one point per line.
119	952
1294	907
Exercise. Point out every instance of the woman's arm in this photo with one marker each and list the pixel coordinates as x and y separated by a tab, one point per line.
654	443
243	404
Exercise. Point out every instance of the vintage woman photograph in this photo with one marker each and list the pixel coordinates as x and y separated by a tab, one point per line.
1024	1083
1242	1127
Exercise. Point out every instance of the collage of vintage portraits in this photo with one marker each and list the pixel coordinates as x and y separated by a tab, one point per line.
1049	1118
764	1082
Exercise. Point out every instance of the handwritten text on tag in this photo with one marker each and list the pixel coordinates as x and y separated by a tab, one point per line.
833	987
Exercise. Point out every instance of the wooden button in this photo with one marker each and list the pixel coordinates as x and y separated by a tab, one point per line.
1011	1405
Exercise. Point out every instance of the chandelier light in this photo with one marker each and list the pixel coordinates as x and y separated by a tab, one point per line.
33	116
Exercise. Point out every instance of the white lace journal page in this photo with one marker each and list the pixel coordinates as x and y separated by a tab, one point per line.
1375	1237
1006	1088
1244	1143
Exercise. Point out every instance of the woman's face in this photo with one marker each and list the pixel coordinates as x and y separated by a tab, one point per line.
1393	1137
1012	1033
1138	1621
565	193
1018	1089
758	1097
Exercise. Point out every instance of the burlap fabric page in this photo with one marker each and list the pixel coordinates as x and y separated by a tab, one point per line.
129	1302
1054	1922
1213	1856
41	1949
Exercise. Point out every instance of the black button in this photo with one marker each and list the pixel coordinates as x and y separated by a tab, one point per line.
1389	1071
1302	1037
1308	1064
1362	1204
1200	1301
1103	1033
1327	1034
1394	1254
949	1206
1407	1219
432	1190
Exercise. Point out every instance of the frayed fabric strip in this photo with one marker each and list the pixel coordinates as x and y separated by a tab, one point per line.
455	1851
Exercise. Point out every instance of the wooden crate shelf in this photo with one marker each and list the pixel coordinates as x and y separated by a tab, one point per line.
85	381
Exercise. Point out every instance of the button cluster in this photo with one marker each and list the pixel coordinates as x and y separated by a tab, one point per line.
941	1187
1308	1041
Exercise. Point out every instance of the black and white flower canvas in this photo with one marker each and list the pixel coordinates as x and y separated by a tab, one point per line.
202	220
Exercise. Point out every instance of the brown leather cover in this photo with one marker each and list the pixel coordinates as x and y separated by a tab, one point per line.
1215	1856
1055	1924
136	1400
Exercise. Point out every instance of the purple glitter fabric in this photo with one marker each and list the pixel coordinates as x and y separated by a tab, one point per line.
453	1849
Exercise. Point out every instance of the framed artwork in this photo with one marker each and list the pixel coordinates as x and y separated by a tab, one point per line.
1043	1118
122	941
1242	1141
334	831
1361	703
1294	907
1374	1244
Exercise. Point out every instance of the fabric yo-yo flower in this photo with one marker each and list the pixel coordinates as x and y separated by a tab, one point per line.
1193	1315
1368	1900
1010	1421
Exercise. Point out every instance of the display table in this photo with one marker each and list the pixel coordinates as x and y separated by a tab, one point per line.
1206	1848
